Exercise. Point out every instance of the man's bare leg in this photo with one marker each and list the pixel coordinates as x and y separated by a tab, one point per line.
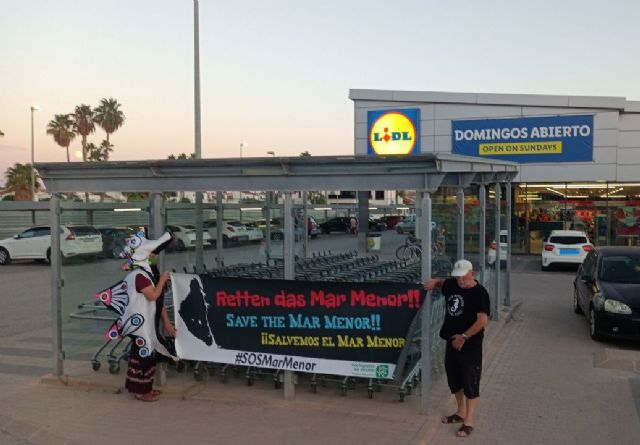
462	407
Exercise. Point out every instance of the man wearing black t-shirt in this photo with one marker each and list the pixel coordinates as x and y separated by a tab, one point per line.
468	310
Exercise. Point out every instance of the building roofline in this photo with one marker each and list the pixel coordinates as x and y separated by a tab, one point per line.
533	100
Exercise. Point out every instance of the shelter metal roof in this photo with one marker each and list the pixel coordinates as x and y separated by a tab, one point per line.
421	172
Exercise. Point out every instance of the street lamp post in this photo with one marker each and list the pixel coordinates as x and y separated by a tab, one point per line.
33	172
242	145
198	138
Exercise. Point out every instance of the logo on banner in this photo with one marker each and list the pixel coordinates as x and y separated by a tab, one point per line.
382	371
393	132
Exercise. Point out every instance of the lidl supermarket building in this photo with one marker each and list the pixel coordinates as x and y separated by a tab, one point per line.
579	156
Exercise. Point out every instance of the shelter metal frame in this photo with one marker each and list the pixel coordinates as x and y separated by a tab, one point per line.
424	173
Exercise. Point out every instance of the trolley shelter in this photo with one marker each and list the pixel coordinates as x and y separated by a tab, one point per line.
284	176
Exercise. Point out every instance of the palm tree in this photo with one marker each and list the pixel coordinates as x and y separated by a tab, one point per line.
84	125
61	128
109	117
105	149
18	180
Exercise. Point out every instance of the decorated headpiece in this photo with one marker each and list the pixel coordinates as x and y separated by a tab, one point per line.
138	248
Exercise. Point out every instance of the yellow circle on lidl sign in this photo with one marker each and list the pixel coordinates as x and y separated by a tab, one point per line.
392	133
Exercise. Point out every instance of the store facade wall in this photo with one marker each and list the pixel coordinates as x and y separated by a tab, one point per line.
593	186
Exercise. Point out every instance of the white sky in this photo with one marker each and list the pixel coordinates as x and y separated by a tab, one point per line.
277	73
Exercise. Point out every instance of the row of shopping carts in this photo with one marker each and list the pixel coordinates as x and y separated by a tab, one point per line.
327	266
324	266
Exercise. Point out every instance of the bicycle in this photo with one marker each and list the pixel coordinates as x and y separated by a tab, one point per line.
410	250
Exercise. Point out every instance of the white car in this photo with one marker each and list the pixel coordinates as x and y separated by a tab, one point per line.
35	243
492	252
232	231
565	247
254	232
185	235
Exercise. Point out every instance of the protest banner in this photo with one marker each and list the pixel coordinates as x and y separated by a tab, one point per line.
351	329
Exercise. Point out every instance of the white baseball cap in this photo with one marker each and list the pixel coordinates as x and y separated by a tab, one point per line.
461	268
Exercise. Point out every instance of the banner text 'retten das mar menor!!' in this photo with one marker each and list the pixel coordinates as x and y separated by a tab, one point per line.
351	329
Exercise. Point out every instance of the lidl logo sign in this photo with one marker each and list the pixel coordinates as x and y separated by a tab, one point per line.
393	132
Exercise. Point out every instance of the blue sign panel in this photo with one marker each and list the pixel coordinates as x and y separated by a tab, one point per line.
534	139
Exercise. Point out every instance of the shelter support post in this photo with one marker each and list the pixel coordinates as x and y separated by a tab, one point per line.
363	220
157	222
460	223
507	284
425	343
199	234
496	298
219	237
267	228
482	191
289	274
304	223
56	287
156	228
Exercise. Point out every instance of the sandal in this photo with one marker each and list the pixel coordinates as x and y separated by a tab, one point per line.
148	397
156	392
453	418
464	431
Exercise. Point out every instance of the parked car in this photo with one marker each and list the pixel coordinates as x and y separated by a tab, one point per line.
35	243
337	224
253	231
343	223
274	223
185	235
607	289
391	220
375	225
113	240
492	251
407	225
232	231
565	247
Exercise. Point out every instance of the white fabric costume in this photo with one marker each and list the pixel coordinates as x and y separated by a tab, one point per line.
136	312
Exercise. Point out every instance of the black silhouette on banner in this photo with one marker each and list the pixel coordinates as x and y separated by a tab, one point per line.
350	322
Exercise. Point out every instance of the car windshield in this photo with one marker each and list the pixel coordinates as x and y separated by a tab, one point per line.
621	269
568	239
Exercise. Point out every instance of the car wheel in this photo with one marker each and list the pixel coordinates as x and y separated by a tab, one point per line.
277	237
180	245
399	230
576	303
49	255
593	325
5	258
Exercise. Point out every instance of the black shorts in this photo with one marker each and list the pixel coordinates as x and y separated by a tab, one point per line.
464	369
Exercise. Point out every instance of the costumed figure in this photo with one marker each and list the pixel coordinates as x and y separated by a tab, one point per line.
139	304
